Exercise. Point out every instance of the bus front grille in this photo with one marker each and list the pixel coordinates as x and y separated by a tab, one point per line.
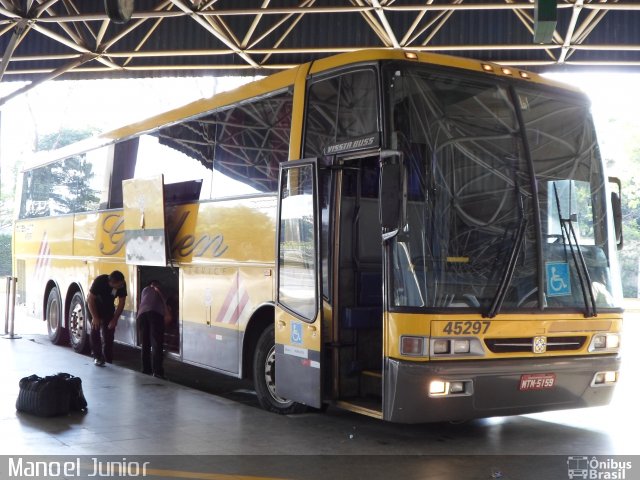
525	344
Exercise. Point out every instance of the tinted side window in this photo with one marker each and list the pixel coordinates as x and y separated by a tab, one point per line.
75	184
252	139
235	151
340	108
92	181
180	152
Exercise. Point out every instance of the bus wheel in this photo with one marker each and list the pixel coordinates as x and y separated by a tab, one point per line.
264	377
57	333
78	323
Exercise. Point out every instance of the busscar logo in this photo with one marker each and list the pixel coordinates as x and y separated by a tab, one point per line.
594	468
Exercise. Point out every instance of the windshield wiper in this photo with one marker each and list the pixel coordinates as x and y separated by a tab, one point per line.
568	232
518	241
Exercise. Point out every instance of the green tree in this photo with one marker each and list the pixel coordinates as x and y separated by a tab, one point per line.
63	138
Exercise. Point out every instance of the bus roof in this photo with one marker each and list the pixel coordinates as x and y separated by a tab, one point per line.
284	79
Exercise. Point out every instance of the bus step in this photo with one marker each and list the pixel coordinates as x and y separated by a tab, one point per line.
371	383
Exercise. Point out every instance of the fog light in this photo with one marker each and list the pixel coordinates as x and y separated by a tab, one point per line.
456	387
412	346
604	378
461	346
437	387
441	346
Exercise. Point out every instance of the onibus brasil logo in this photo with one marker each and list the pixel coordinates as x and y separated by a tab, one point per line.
598	469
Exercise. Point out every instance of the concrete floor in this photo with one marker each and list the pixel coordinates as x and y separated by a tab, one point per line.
218	420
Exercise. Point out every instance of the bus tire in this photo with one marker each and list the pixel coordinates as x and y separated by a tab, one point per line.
78	323
53	317
264	377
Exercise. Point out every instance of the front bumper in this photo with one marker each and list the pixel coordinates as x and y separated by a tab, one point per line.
495	387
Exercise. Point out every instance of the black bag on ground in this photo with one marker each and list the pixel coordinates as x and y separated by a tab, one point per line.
43	396
77	402
51	395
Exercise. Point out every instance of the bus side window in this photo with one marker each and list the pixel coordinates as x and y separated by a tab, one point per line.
252	139
340	108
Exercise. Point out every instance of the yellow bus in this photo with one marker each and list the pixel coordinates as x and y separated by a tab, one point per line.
409	236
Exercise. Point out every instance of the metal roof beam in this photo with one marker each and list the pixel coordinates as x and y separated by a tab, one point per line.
50	76
289	29
19	32
577	7
385	23
194	15
254	25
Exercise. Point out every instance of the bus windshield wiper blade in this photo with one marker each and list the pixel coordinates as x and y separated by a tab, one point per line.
568	232
518	241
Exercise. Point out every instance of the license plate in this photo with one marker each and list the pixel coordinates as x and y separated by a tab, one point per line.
537	381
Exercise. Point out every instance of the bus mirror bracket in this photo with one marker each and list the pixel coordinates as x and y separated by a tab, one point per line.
616	208
393	194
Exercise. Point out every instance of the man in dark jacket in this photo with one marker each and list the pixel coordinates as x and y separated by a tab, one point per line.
105	314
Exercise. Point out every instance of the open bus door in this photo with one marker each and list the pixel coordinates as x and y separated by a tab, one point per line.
144	221
298	330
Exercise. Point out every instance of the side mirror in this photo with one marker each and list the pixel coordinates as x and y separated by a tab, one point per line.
616	208
393	194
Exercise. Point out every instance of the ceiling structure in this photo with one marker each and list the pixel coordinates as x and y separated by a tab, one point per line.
46	39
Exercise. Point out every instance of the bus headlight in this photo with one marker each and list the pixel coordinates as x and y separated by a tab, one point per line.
456	346
603	342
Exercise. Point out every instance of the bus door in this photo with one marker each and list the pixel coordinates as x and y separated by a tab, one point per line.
298	329
357	291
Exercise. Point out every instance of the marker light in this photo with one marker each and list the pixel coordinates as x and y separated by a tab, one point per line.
525	75
507	71
411	55
487	68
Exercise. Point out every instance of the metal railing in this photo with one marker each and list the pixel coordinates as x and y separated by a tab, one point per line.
10	311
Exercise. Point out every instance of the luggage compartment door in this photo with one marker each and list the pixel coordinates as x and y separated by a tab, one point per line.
298	332
144	221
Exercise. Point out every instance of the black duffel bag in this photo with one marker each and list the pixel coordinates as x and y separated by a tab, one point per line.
77	402
51	395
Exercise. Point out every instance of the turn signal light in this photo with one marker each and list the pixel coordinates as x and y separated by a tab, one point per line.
413	346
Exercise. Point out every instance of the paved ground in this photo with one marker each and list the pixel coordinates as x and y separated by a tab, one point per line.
217	418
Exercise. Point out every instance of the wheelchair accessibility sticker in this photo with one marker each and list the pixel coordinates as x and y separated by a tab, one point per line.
558	279
296	333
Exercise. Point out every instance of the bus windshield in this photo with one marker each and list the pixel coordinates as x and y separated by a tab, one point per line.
506	203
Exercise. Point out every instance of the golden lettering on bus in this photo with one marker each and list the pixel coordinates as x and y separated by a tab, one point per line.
188	244
182	245
113	228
